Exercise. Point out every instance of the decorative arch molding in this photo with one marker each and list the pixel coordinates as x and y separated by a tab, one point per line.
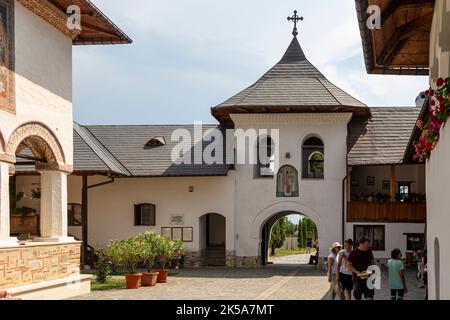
40	139
288	207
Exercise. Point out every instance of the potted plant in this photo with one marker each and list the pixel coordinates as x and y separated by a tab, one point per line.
128	254
165	253
150	252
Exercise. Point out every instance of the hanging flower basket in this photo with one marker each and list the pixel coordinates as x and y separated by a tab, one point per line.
438	115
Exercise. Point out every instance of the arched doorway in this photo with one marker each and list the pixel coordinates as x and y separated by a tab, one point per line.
297	246
38	202
213	240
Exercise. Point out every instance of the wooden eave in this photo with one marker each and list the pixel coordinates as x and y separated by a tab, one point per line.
96	28
401	46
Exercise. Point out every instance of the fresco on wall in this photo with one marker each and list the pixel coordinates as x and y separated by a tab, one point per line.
7	100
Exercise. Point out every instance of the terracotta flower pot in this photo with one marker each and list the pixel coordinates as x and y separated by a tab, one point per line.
162	275
149	279
133	281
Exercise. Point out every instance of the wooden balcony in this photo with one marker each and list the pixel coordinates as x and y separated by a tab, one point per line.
386	212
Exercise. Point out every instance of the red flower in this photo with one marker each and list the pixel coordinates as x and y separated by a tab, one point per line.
419	124
440	82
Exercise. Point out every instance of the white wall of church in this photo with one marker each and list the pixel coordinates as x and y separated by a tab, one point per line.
437	172
111	207
395	236
43	77
321	200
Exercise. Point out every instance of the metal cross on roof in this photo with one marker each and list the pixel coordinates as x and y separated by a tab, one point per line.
295	18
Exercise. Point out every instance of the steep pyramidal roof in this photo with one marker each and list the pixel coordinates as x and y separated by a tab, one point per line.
292	85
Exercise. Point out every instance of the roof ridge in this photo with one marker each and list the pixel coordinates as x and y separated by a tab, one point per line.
100	150
326	88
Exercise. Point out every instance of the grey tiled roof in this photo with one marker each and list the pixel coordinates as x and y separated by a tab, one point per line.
293	82
127	144
91	155
384	138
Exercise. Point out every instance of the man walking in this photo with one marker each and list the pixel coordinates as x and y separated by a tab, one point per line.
358	262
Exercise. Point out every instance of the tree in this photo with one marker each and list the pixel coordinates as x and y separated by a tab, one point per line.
291	228
278	236
300	237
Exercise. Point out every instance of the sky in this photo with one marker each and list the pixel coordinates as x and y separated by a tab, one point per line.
189	56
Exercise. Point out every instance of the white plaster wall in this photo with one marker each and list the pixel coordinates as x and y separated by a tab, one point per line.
43	57
437	169
321	200
111	207
394	236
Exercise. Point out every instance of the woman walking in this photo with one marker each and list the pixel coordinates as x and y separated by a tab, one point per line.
333	271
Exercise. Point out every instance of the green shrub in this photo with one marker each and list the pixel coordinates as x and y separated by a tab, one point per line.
127	253
103	265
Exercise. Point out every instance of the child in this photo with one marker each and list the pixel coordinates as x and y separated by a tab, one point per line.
397	282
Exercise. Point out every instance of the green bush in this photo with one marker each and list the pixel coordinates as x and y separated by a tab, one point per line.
127	253
103	265
150	243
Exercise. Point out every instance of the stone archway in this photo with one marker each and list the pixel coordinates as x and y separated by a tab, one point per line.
39	139
263	222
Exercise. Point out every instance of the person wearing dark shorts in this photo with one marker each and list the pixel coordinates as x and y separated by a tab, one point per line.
345	275
358	262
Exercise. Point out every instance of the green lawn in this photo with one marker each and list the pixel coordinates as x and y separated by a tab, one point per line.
110	284
285	253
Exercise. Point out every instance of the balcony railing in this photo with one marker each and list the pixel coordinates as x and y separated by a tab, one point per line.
359	211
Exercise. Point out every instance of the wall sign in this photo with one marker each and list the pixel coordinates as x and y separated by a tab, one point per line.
185	234
176	220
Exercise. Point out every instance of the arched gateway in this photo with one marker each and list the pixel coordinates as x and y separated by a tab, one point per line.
264	221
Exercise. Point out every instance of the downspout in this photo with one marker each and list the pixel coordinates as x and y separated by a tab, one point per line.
84	212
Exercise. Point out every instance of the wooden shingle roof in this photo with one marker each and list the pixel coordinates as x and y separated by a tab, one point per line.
293	85
383	139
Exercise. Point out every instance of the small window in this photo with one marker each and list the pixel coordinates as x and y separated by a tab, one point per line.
313	159
74	216
156	142
266	157
376	235
404	191
145	215
316	165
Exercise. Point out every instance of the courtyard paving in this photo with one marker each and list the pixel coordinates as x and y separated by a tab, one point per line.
288	278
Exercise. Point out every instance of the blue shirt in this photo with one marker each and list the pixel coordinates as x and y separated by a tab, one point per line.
395	281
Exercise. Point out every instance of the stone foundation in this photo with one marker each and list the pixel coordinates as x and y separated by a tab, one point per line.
192	259
32	264
230	259
248	262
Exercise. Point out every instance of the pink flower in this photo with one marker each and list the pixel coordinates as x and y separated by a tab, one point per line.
419	124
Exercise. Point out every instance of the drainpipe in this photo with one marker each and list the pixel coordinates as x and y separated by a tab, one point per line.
84	212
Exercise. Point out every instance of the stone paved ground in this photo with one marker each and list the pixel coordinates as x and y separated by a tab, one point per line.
284	280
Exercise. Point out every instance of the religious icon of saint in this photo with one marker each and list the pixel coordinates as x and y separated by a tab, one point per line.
287	182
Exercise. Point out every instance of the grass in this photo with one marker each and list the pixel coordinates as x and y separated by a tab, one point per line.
110	284
285	253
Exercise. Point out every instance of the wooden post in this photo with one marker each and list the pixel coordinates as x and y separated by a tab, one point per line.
393	183
84	218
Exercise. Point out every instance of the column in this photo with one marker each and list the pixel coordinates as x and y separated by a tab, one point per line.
393	183
5	239
53	207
